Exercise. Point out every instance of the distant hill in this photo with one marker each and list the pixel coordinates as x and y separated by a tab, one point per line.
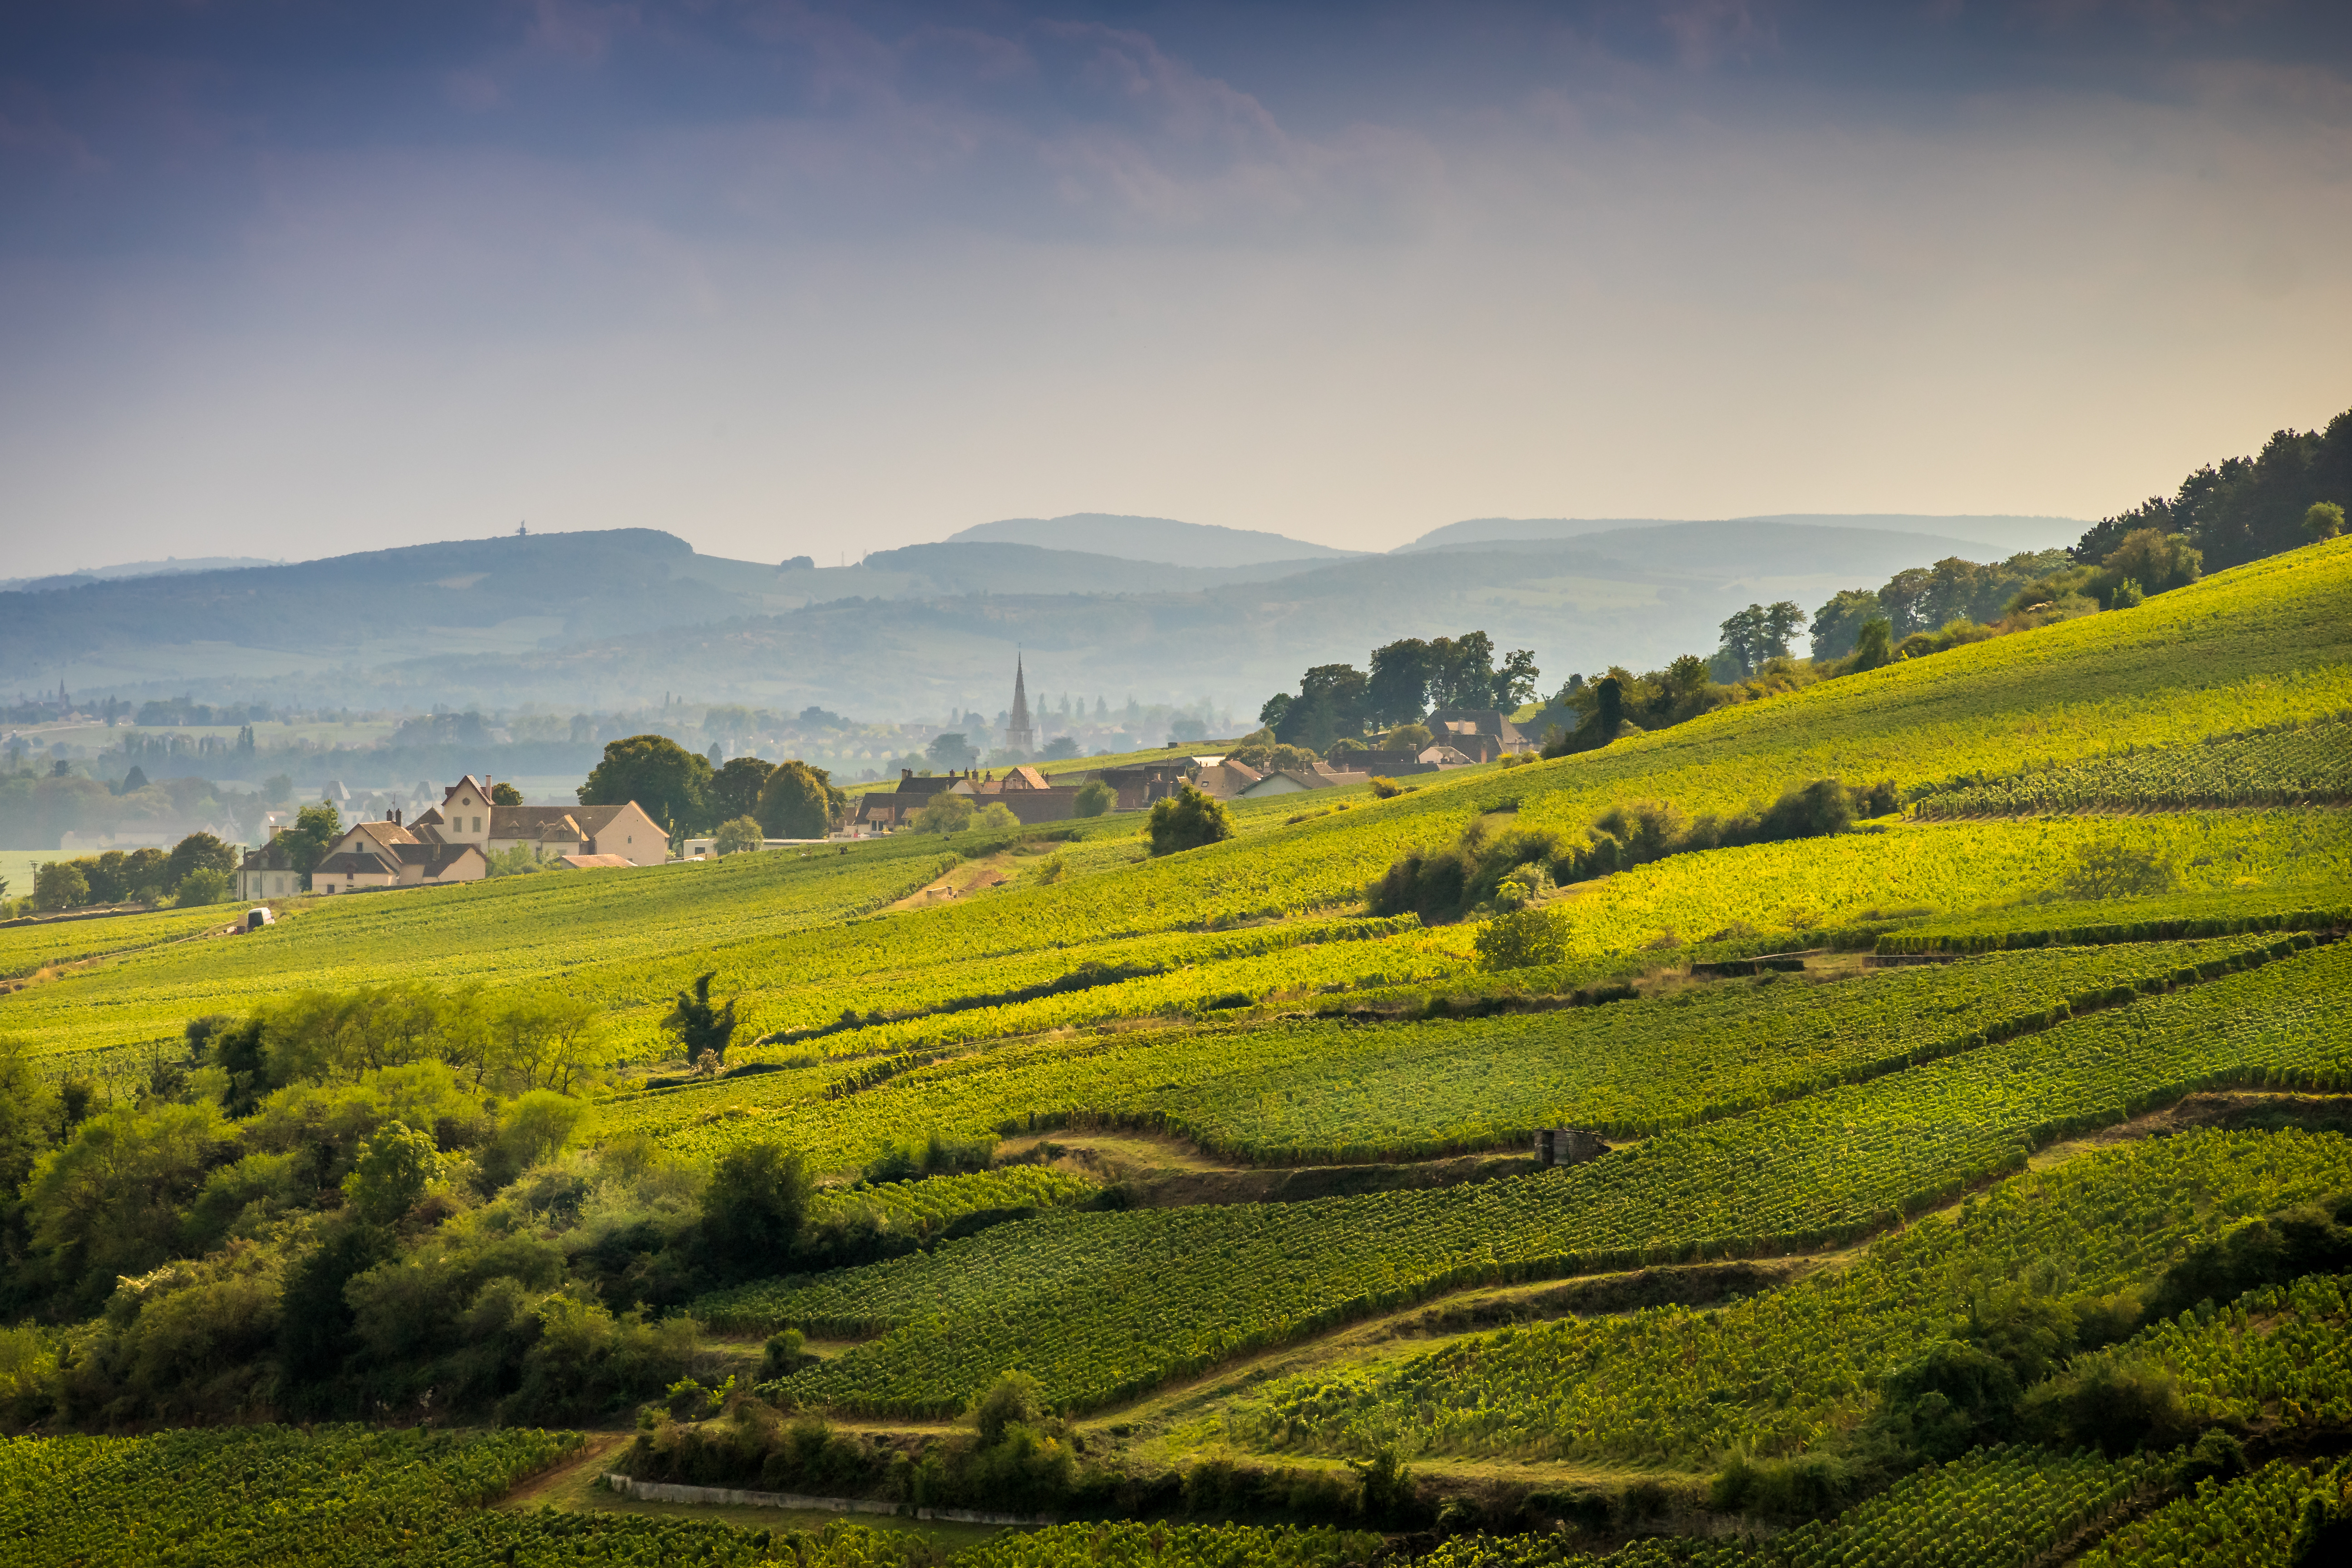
169	566
1989	536
1149	539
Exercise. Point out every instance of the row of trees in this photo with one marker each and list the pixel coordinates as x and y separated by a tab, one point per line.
2243	508
197	871
1408	677
687	796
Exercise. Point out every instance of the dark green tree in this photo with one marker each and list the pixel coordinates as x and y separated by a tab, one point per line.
1397	691
1187	820
752	1210
1515	681
669	782
1331	704
2322	520
699	1026
735	788
1837	624
1095	798
199	852
1461	670
1875	644
799	802
505	794
315	828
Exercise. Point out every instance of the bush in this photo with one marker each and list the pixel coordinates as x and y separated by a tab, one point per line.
1094	798
2111	1408
1385	787
392	1170
752	1210
945	813
2324	520
205	885
1523	939
1014	1397
2126	595
1188	820
783	1355
995	817
59	885
740	834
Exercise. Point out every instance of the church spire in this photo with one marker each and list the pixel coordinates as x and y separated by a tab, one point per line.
1020	735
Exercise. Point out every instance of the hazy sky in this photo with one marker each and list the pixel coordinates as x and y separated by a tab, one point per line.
284	278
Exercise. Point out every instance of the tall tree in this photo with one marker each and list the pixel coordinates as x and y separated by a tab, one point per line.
1515	681
1839	622
315	828
669	782
697	1025
735	788
799	802
1397	691
1461	670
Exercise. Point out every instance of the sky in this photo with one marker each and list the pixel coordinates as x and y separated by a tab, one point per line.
287	279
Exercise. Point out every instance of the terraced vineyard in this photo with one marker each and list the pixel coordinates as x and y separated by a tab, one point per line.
2310	764
1326	1091
2281	1354
1781	1370
1131	1306
2260	1521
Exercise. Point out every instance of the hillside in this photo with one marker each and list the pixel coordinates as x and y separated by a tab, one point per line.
1158	539
1989	537
621	618
1902	1144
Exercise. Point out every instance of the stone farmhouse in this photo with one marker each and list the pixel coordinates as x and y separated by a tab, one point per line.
1023	790
452	842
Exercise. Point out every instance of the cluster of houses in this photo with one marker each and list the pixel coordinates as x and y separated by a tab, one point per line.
1458	738
453	842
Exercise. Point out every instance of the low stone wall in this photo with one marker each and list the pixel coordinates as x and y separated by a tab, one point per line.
737	1496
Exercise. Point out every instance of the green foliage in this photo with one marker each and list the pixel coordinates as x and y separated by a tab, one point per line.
2323	520
1896	1141
995	817
800	802
752	1209
1014	1397
1189	820
205	885
737	835
735	787
1094	798
1873	645
1523	939
394	1169
315	828
701	1029
2301	765
520	860
2272	1517
945	813
669	782
59	885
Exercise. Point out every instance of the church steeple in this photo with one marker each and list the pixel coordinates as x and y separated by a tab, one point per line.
1020	735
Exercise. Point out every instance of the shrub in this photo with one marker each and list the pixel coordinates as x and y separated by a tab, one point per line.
1188	820
1385	787
1523	939
752	1210
205	885
2126	595
394	1169
1095	798
2118	871
740	834
2324	520
945	813
995	817
1014	1397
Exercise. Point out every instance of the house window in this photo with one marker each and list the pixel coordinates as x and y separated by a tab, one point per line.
478	825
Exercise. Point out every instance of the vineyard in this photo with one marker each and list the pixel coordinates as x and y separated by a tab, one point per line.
2307	765
1961	1106
1326	1090
1140	1298
1779	1369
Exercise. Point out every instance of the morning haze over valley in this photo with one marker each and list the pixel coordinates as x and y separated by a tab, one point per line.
992	786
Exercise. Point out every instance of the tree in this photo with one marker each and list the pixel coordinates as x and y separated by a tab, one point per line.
109	1202
735	788
751	1212
1095	798
1522	939
669	782
315	828
2323	520
205	885
1743	639
136	779
1275	709
945	813
1013	1398
2157	561
2118	871
950	753
505	794
1837	624
995	817
1397	692
277	788
1515	681
1781	622
1060	748
59	885
734	837
698	1026
800	802
1461	670
1875	644
1188	820
394	1169
1330	703
199	852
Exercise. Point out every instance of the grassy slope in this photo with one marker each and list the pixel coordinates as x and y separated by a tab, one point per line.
2260	644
